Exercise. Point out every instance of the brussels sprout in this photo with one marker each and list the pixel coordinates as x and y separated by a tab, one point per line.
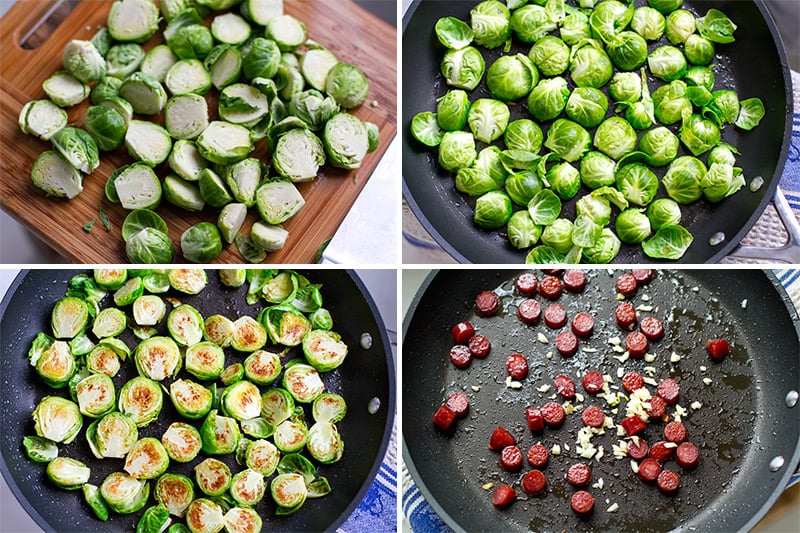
751	111
453	33
587	106
615	137
487	119
220	434
158	61
716	27
124	494
241	400
224	65
313	108
103	360
56	365
425	128
280	288
289	491
248	335
550	55
315	66
175	492
242	520
262	456
585	233
57	419
698	134
508	78
95	395
132	20
56	176
463	68
157	358
720	181
182	441
670	102
231	277
268	237
609	18
191	399
669	242
123	60
667	63
680	24
324	350
347	85
182	193
66	473
91	493
285	325
205	360
142	399
324	443
149	246
605	250
262	367
544	207
41	118
64	89
302	381
522	187
564	180
522	232
660	146
201	243
698	50
110	322
541	255
492	210
701	77
664	212
154	520
548	99
574	28
558	235
186	116
102	40
290	436
490	162
346	142
627	50
568	139
113	435
84	61
723	108
242	104
590	66
299	153
107	87
491	23
212	188
224	143
69	317
648	23
329	407
77	147
248	487
185	324
597	170
129	292
523	135
147	459
189	40
149	310
637	183
632	226
204	516
531	23
723	153
41	343
665	6
457	150
121	106
321	319
106	127
40	449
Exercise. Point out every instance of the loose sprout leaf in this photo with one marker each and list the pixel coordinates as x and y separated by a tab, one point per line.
751	111
88	226
103	218
716	27
669	242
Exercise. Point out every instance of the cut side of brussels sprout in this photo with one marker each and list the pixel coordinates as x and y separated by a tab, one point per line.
232	374
137	186
157	358
302	381
219	330
204	516
181	441
147	142
315	66
242	401
77	147
285	325
64	89
268	237
113	435
299	154
158	61
248	487
276	405
57	419
185	324
321	319
230	221
242	104
290	436
329	407
213	477
124	494
220	434
205	360
188	280
224	64
242	520
230	28
289	490
324	350
262	368
149	310
40	449
175	492
132	20
248	335
147	459
185	160
69	474
346	141
144	92
95	395
56	176
262	456
324	443
190	399
142	399
224	143
243	178
110	322
69	317
41	118
103	360
278	201
186	116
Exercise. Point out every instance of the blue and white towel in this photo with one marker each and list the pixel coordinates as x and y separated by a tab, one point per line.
790	180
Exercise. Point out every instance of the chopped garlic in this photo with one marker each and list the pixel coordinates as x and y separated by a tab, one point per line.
615	341
544	388
613	509
598	484
566	447
635	467
695	289
590	350
679	412
620	297
696	405
600	454
578	396
649	357
645	297
487	486
556	449
620	449
650	370
475	388
540	336
644	308
670	445
620	372
703	369
651	382
674	358
513	384
568	408
619	349
549	355
744	303
707	381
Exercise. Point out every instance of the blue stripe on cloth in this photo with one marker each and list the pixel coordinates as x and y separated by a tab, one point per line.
790	180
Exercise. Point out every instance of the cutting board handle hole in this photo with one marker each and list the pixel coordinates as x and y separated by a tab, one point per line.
54	12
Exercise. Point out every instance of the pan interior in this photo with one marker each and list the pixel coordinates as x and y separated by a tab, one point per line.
738	409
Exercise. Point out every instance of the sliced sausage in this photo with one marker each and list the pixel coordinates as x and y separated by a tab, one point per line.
626	285
657	407
579	475
643	275
582	502
632	381
511	458
593	416
479	346
662	451
565	386
553	271
460	356
443	418
566	343
550	287
649	469
582	324
555	316
529	311
553	414
534	482
626	315
593	382
526	283
538	455
636	344
535	418
668	481
632	425
652	328
718	349
458	403
638	448
501	438
574	280
669	390
503	496
675	432
487	303
462	332
517	366
687	455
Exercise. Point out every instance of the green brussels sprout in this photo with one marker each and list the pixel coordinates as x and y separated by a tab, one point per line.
324	349
492	210
325	444
110	278
488	119
574	28
186	116
594	208
66	473
523	135
147	459
241	400
550	55
457	150
315	65
522	232
544	207
201	243
41	343
321	319
564	180
175	492
288	491
190	41
132	20
41	118
190	399
224	65
667	63
548	99
698	134
155	518
218	330
615	137
682	180
490	163
723	108
558	235
109	322
345	140
698	50
242	520
627	50
522	187
665	6
568	139
142	399
242	104
248	335
670	102
84	61
262	456
648	22
284	324
425	128
124	494
587	106
123	60
531	23
664	212
248	487
113	435
129	292
329	407
597	170
609	18
212	189
55	175
680	24
40	449
605	250
751	111
720	181
56	365
220	434
149	246
491	23
64	89
91	493
508	78
637	183
290	436
633	226
230	28
313	108
182	441
263	367
185	324
660	146
204	516
669	242
463	68
224	143
453	33
103	360
148	310
95	395
280	288
185	160
590	66
157	358
299	153
78	147
723	153
205	360
69	317
716	27
157	62
102	40
347	85
302	381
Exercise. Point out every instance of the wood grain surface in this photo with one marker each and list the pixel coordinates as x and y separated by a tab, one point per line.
352	33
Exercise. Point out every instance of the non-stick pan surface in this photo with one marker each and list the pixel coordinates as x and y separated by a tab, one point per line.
754	65
366	373
743	424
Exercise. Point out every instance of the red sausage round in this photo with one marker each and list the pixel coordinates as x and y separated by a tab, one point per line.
593	417
593	382
718	349
583	324
535	418
479	346
643	275
626	285
553	414
503	496
526	283
458	403
633	425
675	432
555	316
550	287
662	451
538	455
668	481
501	438
657	407
553	271
487	303
511	458
534	482
566	343
529	311
687	455
565	386
626	315
443	418
669	390
582	502
574	280
636	344
460	356
649	469
652	328
638	449
579	475
517	366
462	332
632	381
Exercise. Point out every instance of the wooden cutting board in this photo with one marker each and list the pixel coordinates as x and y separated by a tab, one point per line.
352	33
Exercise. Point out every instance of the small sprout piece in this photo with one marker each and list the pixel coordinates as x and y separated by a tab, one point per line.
56	365
289	491
175	492
158	61
40	449
186	116
278	201
248	335
204	516
56	176
77	147
182	442
91	494
149	143
124	494
190	399
262	367
132	20
42	118
298	155
185	160
112	436
242	520
69	474
145	93
346	141
248	487
231	219
302	381
64	89
290	436
241	400
205	360
324	443
155	518
324	350
110	278
219	329
188	280
276	406
142	399
262	456
224	143
148	459
213	189
232	374
201	243
220	434
95	395
185	324
137	186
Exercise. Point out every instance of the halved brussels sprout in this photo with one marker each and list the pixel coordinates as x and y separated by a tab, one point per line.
155	518
158	61
91	493
95	395
142	399
64	89
220	434
302	381
345	140
69	317
57	419
315	65
284	324
219	330
185	324
157	358
242	520
129	292
324	350
243	179
224	143
204	516
290	436
213	477
110	278
56	176
148	459
205	360
113	435
325	444
232	277
262	456
148	310
175	492
248	335
289	491
232	374
110	322
124	494
278	201
321	319
41	343
329	407
240	103
248	487
241	400
277	405
190	399
132	20
182	442
186	160
299	153
56	365
42	118
69	474
188	280
40	449
463	68
262	367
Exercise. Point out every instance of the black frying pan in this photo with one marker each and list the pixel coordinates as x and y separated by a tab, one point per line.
744	422
366	373
755	65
